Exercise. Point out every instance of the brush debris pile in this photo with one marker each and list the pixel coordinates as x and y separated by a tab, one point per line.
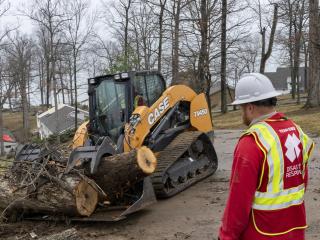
38	185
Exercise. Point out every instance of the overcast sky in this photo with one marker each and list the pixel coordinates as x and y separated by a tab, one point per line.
26	26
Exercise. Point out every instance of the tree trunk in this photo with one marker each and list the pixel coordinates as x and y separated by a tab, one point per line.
314	55
75	88
296	64
55	94
175	42
162	7
71	85
56	109
28	77
48	82
291	52
116	174
305	66
126	33
201	84
224	108
61	81
25	113
41	82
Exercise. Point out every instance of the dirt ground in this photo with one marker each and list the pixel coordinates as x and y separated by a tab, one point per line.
193	214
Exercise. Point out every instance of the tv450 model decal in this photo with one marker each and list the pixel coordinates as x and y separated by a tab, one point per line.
201	112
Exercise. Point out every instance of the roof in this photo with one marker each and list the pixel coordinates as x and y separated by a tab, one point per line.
280	77
66	115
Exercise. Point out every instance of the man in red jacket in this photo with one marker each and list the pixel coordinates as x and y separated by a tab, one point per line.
269	173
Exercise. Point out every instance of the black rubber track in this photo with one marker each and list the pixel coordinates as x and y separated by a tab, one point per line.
171	154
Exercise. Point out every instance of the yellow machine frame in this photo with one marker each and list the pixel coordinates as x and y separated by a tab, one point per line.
199	114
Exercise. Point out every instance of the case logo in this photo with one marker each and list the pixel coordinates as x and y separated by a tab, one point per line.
158	111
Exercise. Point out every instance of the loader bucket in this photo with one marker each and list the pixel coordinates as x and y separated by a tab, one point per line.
117	213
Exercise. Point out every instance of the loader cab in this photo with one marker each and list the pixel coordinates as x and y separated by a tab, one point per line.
113	98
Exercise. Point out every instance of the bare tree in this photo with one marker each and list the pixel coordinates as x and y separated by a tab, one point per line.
177	8
19	60
203	63
265	54
298	28
7	84
246	55
80	28
224	10
104	54
175	40
143	28
50	16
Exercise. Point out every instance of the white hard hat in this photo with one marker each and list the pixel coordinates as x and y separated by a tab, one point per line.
254	87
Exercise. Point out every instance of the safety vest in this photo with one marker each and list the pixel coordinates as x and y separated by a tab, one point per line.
283	159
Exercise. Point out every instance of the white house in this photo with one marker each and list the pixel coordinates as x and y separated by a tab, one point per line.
47	122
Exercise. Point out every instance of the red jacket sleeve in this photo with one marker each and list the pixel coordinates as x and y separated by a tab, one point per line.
247	163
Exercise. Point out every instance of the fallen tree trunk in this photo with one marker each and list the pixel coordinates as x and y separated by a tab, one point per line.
51	198
116	174
50	191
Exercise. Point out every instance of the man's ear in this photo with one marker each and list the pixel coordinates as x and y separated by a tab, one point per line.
250	107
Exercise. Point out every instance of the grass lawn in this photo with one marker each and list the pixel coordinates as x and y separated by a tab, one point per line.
308	119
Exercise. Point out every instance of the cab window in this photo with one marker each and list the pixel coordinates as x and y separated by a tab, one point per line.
140	91
148	88
155	88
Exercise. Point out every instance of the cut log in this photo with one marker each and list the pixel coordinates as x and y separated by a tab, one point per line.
50	198
116	174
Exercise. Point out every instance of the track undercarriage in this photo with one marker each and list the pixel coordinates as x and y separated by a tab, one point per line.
189	158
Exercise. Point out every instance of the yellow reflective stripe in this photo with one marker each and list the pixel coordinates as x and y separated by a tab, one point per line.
269	139
279	169
266	146
265	203
282	193
275	234
308	145
264	158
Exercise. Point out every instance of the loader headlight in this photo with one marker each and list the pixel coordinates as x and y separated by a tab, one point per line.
117	77
92	81
124	75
